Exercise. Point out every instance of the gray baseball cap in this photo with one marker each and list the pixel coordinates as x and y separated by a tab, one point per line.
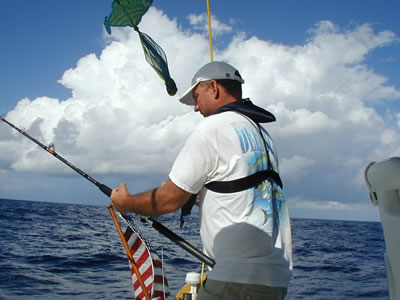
213	70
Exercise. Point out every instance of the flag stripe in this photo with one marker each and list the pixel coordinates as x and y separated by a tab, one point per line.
148	264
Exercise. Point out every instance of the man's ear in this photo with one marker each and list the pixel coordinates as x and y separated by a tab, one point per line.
215	89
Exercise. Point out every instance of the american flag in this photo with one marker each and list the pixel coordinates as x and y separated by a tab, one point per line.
148	263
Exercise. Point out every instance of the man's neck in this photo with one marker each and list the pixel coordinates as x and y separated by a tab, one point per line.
226	101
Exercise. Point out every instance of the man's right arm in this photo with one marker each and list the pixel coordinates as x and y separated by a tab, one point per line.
165	199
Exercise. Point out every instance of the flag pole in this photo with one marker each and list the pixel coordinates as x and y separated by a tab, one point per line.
128	253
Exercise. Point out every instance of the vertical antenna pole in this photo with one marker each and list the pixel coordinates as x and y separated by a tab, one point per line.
209	29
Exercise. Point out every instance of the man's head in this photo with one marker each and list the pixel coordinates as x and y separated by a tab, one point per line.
216	80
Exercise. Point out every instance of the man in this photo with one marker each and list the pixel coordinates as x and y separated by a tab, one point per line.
230	161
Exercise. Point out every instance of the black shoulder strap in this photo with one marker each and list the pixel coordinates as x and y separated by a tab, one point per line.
244	183
187	208
232	186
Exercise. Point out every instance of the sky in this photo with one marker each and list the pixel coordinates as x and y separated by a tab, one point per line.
328	71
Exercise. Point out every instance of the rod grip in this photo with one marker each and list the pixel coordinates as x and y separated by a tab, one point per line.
181	242
105	189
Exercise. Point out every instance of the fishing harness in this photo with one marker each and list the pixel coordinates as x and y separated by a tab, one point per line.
258	115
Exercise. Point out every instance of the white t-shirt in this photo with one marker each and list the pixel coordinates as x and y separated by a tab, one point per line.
247	233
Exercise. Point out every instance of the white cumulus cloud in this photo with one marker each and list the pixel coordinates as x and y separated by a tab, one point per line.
120	119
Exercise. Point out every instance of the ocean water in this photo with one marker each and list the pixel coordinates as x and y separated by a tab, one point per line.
68	251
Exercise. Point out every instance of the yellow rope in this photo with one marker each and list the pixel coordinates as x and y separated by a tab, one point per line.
202	277
209	29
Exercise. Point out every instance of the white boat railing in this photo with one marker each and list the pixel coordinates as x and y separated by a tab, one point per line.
383	181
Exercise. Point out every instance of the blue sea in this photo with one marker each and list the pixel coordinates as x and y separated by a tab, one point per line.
69	251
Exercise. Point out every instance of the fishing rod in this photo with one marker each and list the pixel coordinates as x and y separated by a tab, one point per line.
106	190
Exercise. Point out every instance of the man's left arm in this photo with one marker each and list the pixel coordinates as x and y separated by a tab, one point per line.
165	199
